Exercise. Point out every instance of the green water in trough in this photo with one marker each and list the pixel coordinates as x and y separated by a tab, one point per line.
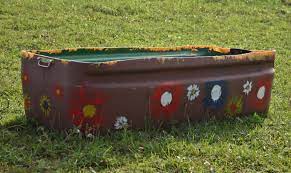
84	55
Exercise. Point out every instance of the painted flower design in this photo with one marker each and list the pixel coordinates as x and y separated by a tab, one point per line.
25	78
27	102
86	110
216	92
234	106
262	93
58	91
247	87
193	92
121	122
45	105
165	100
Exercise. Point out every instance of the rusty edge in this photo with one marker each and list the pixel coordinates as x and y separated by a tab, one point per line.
253	55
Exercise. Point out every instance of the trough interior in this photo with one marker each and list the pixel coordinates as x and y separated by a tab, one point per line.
113	54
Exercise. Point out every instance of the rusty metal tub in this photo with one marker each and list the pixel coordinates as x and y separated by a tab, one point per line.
97	89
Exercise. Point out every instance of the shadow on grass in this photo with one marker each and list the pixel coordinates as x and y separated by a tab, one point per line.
30	146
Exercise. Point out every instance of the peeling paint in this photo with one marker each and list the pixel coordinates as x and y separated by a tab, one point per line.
161	49
97	49
65	62
259	55
162	60
71	49
253	55
220	50
28	55
151	49
55	51
110	63
98	65
23	54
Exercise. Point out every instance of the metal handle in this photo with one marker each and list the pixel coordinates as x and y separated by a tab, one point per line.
44	62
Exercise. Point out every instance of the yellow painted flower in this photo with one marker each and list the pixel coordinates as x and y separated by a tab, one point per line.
45	105
89	111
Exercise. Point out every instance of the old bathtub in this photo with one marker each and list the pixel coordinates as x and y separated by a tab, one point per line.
97	89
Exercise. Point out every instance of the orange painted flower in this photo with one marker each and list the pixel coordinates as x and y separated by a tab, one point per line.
27	102
25	78
58	91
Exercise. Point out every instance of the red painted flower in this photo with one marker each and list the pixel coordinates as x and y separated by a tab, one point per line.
165	100
261	95
58	91
25	78
86	110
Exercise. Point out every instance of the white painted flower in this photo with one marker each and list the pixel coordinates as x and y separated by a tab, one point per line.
166	98
90	135
247	87
121	122
193	92
78	130
215	92
261	92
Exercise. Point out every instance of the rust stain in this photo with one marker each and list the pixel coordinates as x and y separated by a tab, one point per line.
161	49
98	66
65	62
26	54
55	51
110	63
30	55
72	49
187	47
220	49
162	60
211	48
258	55
252	56
151	49
97	49
178	60
218	58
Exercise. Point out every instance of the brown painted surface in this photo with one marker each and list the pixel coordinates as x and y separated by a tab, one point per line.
95	95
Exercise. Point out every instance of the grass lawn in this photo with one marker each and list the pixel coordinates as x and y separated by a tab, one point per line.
252	144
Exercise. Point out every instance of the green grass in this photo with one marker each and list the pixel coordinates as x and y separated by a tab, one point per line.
253	144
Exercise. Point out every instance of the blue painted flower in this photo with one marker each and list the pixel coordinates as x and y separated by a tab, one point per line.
216	92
